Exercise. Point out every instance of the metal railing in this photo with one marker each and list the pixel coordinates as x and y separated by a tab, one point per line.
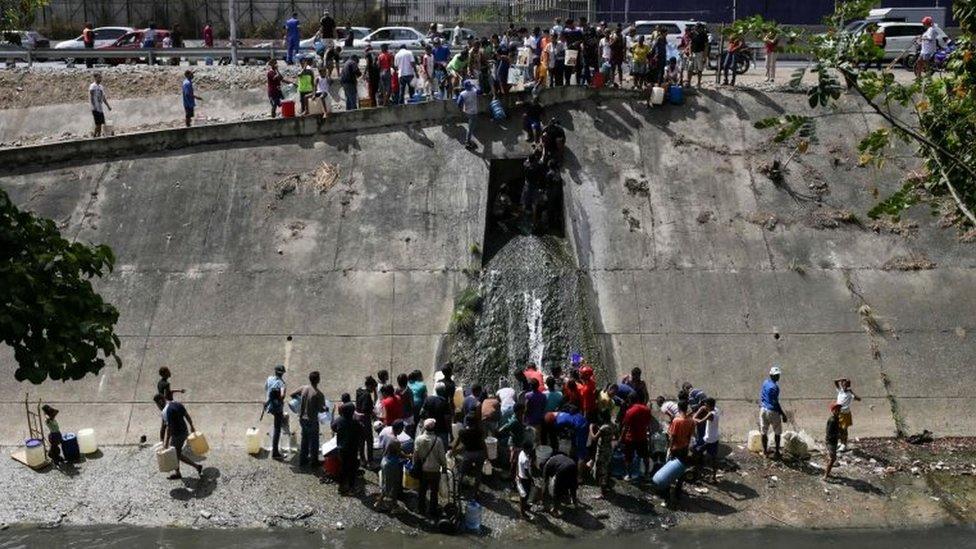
152	55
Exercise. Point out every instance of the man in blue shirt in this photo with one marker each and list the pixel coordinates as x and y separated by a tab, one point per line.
771	414
189	98
292	38
176	418
442	56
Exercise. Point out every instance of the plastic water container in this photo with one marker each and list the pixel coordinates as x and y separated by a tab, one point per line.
755	441
458	398
198	443
565	446
542	453
472	516
288	109
252	441
409	483
497	110
618	465
456	429
295	404
657	95
676	95
492	444
87	442
166	459
668	473
598	80
487	469
69	445
332	465
35	452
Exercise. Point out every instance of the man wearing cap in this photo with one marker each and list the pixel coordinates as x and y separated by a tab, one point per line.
274	390
771	414
928	45
313	404
429	454
832	437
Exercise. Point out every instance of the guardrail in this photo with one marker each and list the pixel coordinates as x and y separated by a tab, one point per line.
153	54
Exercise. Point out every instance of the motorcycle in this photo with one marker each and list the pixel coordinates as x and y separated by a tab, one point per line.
744	59
939	60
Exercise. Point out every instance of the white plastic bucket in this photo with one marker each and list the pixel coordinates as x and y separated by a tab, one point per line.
492	444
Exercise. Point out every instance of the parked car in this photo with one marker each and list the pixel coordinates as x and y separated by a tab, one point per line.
133	41
104	36
900	38
674	28
358	33
393	37
30	40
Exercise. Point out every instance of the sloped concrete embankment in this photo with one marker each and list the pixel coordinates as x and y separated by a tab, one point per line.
703	270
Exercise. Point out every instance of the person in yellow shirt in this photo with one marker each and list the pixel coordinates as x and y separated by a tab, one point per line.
639	51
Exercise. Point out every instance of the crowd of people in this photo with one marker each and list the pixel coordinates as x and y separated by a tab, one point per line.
546	434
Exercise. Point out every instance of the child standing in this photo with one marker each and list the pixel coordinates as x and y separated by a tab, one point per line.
53	432
832	437
306	85
524	477
323	91
602	441
845	397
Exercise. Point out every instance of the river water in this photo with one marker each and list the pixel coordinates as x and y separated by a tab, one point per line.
130	537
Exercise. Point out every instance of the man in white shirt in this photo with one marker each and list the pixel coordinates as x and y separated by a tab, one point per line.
456	38
845	397
96	96
468	101
708	445
929	44
396	432
406	67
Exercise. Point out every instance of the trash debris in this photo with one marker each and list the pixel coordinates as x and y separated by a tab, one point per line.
924	437
205	514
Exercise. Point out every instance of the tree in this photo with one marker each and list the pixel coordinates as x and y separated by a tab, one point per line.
936	114
19	14
57	325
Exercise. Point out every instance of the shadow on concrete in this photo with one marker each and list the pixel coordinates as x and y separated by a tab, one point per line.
631	504
197	488
859	485
735	490
762	99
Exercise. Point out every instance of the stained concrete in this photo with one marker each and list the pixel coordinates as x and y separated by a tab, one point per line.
215	272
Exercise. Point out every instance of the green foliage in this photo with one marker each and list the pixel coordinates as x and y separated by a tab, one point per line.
19	14
466	307
934	113
57	325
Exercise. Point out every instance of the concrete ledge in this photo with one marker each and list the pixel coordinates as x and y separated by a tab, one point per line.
138	143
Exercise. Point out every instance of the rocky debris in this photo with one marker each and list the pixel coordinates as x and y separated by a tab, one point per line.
829	218
632	221
637	187
888	225
912	262
967	236
205	514
705	217
766	220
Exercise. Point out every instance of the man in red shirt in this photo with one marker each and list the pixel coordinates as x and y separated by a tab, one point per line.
587	390
392	407
532	372
633	437
680	432
385	64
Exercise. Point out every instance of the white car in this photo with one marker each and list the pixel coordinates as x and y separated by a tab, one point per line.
104	36
394	37
358	33
900	37
674	28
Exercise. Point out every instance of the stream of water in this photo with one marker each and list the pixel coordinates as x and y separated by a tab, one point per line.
124	537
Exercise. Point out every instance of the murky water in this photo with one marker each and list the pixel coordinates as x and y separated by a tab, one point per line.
127	537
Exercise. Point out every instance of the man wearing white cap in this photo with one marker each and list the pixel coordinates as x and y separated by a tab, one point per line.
429	454
770	413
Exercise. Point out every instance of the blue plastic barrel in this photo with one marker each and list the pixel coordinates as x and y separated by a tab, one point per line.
497	110
69	445
668	474
676	95
472	516
618	465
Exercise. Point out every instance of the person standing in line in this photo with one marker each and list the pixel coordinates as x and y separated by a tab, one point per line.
349	442
845	397
456	37
524	477
292	38
306	85
407	69
430	455
274	86
385	63
177	419
53	433
405	396
88	41
327	30
681	430
149	37
365	415
928	46
708	414
731	57
468	101
274	390
633	435
348	77
699	53
418	390
96	95
392	407
601	435
472	403
831	438
350	39
323	91
771	47
208	35
189	98
313	404
771	414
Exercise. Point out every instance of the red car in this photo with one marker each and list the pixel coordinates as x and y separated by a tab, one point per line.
133	41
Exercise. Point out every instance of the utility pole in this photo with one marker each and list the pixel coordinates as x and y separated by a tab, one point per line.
233	31
627	11
734	2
